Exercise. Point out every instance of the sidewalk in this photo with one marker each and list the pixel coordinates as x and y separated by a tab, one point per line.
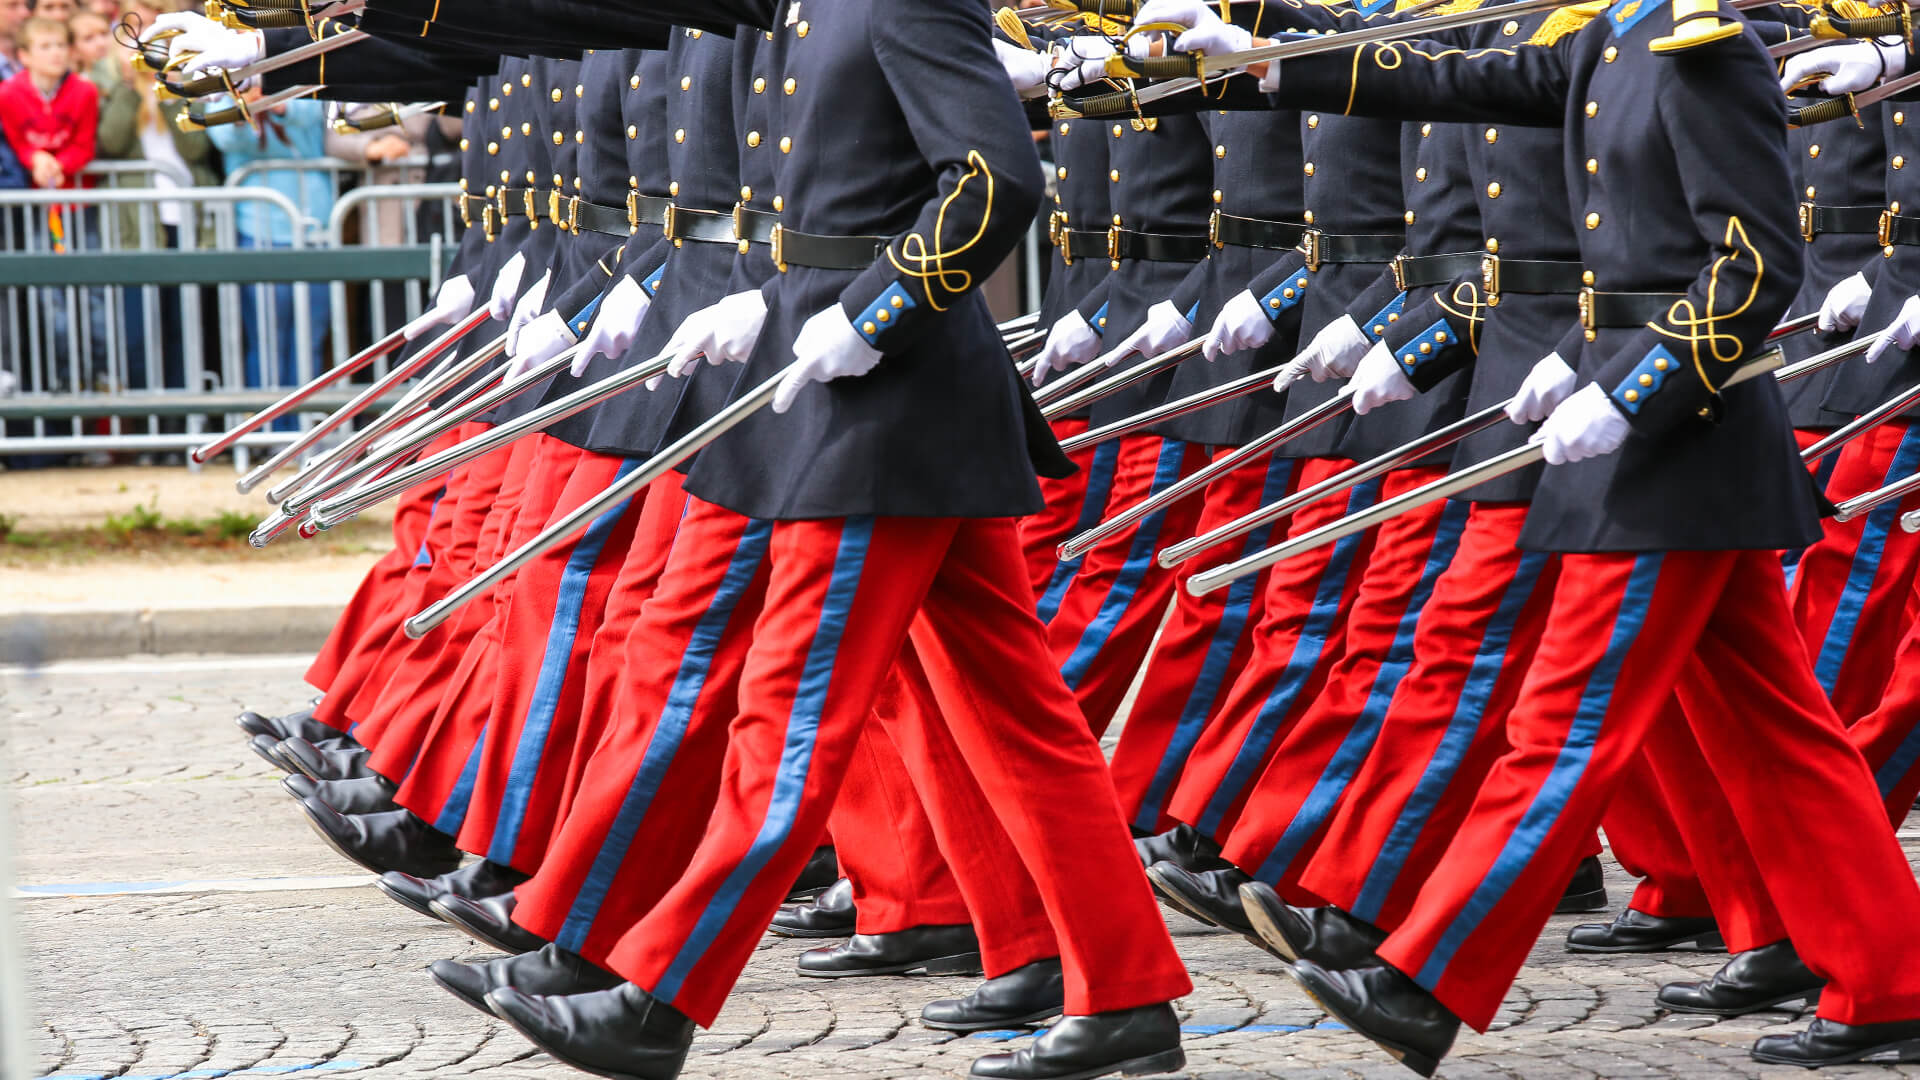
78	596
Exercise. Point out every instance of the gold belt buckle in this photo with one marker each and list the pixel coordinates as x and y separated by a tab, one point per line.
1885	229
553	207
466	217
777	241
739	221
1310	247
500	201
1806	222
1113	243
486	222
1490	277
573	215
1399	268
1053	228
533	207
666	221
1586	311
1213	229
633	212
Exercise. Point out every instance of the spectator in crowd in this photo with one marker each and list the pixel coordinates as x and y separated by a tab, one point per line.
57	10
106	9
137	123
296	130
92	40
391	156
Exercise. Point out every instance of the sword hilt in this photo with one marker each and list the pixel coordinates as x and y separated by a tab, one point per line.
1820	112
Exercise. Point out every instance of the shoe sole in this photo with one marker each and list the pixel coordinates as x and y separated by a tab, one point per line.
440	912
478	1003
780	931
1810	997
1032	1019
1171	897
1417	1060
269	757
419	872
564	1059
1582	903
1905	1051
1166	1061
407	902
1709	943
1266	931
957	964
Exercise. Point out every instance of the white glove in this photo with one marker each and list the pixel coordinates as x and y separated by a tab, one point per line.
1583	426
1241	324
1379	380
1165	328
541	340
1026	69
506	287
1546	386
450	305
1844	305
723	333
526	310
1851	67
827	348
1903	331
210	44
1070	343
1334	352
1084	59
615	324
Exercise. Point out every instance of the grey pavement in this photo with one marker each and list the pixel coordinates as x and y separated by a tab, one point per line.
130	776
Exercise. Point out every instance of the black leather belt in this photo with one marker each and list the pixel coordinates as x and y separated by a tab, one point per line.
1124	244
792	248
645	210
1228	230
1546	277
1080	244
754	226
705	226
470	203
574	214
1321	248
1903	229
1605	310
523	202
1816	219
1417	271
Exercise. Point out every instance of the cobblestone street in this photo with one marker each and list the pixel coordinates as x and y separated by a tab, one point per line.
181	921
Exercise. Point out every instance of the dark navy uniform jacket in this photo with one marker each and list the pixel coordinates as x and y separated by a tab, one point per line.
1893	270
900	124
1707	466
1839	165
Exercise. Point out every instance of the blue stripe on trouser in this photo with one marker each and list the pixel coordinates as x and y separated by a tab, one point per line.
1468	714
1353	749
424	557
1307	649
1146	540
1576	751
689	682
1093	506
1866	567
538	722
453	813
1213	670
1899	764
790	778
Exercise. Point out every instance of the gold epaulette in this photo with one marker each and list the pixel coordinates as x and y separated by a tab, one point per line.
1566	20
1695	23
1855	9
1009	23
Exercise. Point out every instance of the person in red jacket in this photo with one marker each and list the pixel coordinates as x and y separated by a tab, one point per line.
48	113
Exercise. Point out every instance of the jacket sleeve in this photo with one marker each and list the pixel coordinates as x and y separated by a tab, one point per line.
1439	334
78	153
1521	84
988	174
1671	371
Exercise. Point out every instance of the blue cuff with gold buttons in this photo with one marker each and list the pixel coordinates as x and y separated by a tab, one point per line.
882	313
1376	327
1099	321
651	283
1285	295
1428	344
1646	379
584	317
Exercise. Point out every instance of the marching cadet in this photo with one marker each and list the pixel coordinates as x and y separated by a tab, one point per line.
1656	100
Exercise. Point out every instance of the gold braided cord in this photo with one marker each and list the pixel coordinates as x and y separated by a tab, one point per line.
1566	20
930	268
1696	329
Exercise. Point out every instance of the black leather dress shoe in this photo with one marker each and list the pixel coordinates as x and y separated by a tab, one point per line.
395	840
294	725
550	971
1183	846
1020	998
1134	1042
1637	932
1212	896
1586	892
1827	1043
922	950
476	879
367	795
322	761
831	915
821	871
268	746
1384	1005
622	1033
1755	980
1325	935
487	920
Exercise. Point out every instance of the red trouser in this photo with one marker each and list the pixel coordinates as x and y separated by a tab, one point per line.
648	788
539	679
370	616
1202	649
1889	736
841	597
1280	827
1445	725
1068	500
439	779
1299	635
1641	830
1851	586
1624	633
884	839
1112	607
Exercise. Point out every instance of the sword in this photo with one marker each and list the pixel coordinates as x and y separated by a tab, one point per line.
616	493
200	455
1472	476
1250	383
1863	423
1120	380
1850	104
202	85
197	116
1067	381
383	116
